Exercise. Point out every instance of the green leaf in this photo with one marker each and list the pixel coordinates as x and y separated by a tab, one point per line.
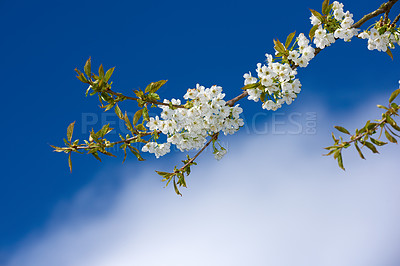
359	151
263	96
154	86
137	116
382	107
334	138
370	146
331	148
312	31
163	174
251	86
289	39
317	14
57	149
371	126
109	106
176	189
66	142
77	71
88	67
168	179
187	170
70	131
101	85
329	153
377	142
330	7
390	120
181	179
393	132
109	74
389	53
362	130
279	46
141	127
325	7
105	97
96	155
166	176
145	114
82	78
396	127
136	153
101	71
104	130
93	135
139	93
390	137
124	148
70	162
394	95
342	129
107	153
118	112
127	122
339	158
154	96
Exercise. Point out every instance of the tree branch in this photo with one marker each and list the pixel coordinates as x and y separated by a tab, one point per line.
128	140
382	9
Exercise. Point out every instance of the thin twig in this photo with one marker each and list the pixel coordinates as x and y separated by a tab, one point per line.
366	132
237	98
396	19
215	136
386	17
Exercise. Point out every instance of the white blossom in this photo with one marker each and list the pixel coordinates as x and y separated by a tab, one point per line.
248	79
314	20
188	129
380	42
219	154
157	149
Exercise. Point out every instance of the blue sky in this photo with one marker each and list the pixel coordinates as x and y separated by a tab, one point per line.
207	42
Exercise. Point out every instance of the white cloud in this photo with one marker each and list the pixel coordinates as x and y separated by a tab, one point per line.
274	200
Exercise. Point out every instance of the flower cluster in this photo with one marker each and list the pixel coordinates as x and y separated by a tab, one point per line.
277	83
188	128
381	42
322	38
338	25
157	149
304	53
277	80
345	31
